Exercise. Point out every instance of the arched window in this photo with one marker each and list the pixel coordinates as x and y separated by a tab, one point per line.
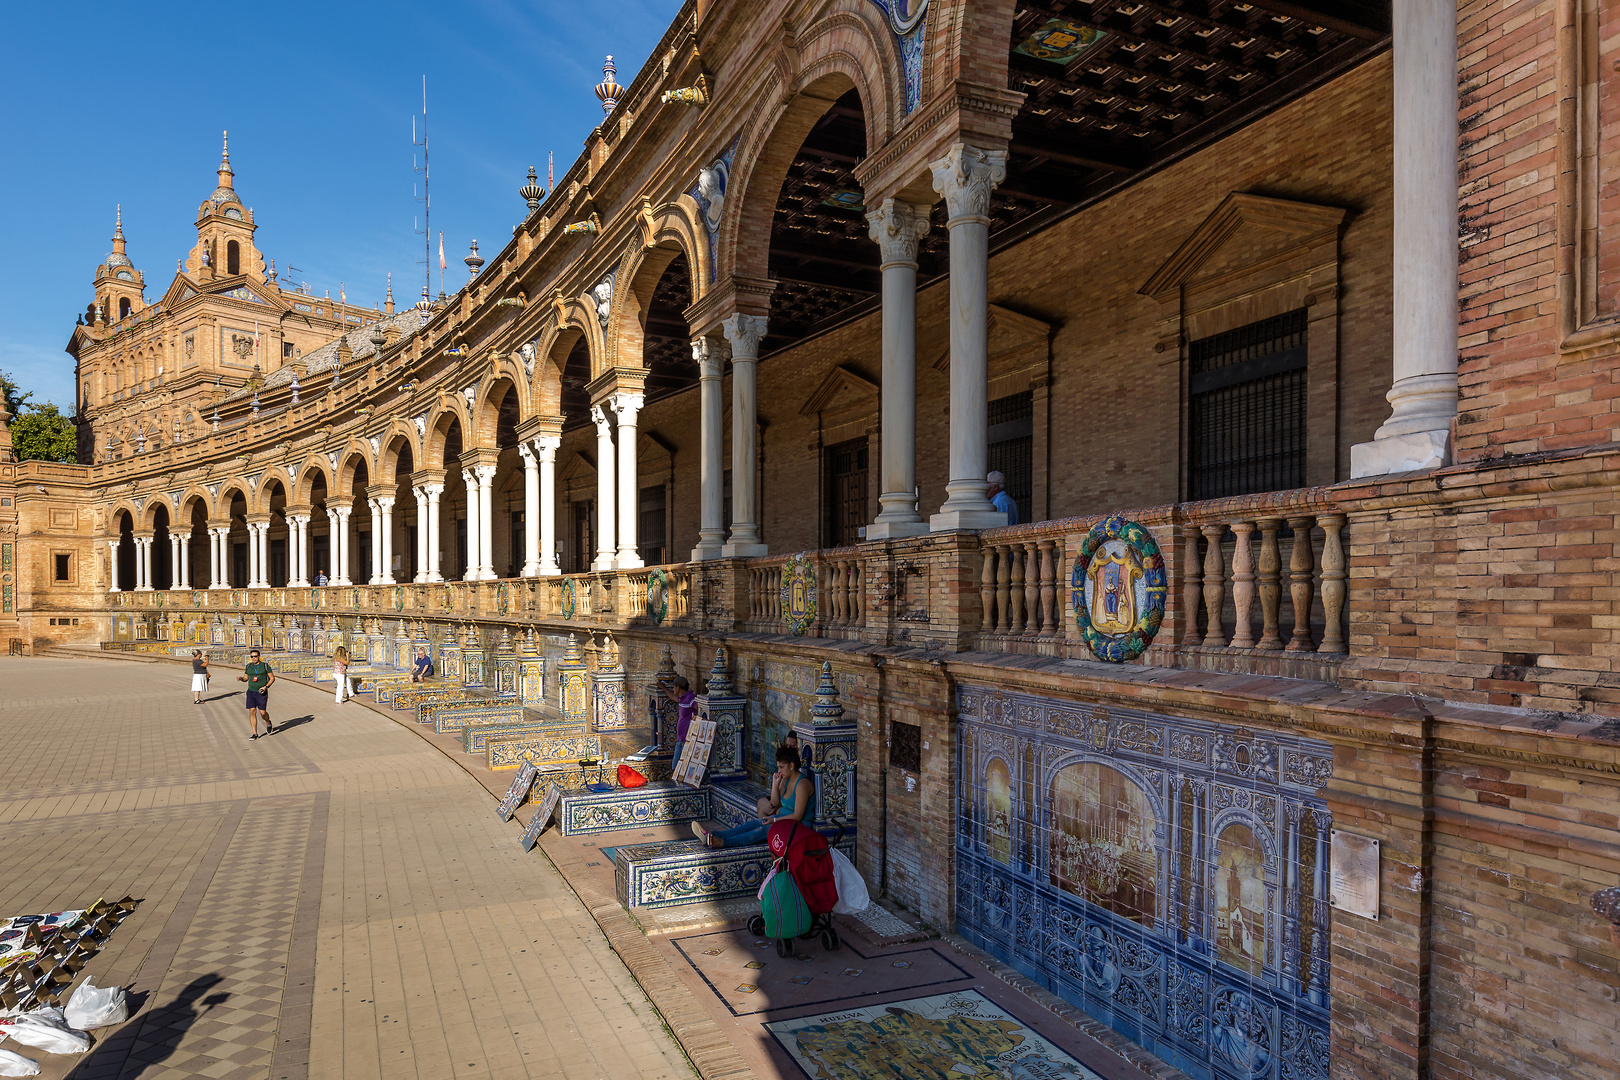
123	307
233	258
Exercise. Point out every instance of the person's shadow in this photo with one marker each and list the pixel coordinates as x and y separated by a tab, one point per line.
151	1038
283	725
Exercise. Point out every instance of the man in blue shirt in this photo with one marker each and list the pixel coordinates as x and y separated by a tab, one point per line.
422	670
999	497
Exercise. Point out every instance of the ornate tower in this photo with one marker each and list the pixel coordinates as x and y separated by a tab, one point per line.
225	233
118	284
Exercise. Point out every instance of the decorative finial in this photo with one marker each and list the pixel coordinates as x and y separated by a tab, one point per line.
474	260
388	301
225	172
272	271
608	91
118	227
532	192
827	710
295	386
719	675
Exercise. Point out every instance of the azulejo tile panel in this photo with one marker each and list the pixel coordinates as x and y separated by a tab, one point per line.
686	872
475	738
1168	875
455	715
510	752
655	804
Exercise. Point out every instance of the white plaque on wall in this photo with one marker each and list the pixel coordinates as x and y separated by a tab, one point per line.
1353	886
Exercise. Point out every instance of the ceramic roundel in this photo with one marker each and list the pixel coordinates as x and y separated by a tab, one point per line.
568	598
1118	589
503	598
799	594
658	596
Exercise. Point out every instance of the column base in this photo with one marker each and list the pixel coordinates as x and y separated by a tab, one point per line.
705	552
531	570
550	570
602	564
488	575
144	588
1401	453
957	520
628	561
297	584
896	530
744	551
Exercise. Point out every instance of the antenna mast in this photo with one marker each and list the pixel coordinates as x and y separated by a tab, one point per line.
425	199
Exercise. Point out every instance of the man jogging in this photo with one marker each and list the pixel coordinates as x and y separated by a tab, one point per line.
259	678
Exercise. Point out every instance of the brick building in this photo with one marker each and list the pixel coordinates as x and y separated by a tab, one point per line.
1335	330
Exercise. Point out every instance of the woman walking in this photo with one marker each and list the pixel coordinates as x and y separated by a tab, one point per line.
340	672
199	675
797	793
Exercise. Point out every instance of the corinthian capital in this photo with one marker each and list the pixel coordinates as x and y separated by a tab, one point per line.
897	226
599	417
965	177
744	332
626	406
710	357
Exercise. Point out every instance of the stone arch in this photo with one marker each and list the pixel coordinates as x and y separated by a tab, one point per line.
234	486
350	459
313	466
850	48
450	412
492	399
400	436
579	313
276	474
664	239
551	349
190	498
148	518
114	521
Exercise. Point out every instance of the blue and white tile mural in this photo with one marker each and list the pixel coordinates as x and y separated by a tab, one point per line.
1166	875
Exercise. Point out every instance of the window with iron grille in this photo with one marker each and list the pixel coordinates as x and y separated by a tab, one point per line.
847	463
1247	402
905	746
650	525
1012	447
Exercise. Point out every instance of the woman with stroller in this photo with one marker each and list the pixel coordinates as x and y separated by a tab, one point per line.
791	796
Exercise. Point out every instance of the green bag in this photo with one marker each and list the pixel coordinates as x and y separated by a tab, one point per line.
786	916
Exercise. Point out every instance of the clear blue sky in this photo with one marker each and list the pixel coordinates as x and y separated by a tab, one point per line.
113	103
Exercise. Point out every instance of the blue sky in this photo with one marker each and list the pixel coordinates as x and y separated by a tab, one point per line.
112	103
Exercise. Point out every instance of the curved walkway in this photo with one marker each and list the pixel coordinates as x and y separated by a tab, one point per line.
336	900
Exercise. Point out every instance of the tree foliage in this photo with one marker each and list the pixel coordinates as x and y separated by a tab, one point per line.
38	432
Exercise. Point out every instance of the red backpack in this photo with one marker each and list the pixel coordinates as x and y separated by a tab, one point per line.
810	862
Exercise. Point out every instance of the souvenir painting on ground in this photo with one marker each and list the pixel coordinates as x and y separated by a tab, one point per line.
959	1034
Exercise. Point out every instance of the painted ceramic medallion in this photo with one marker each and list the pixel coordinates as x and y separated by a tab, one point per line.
399	598
568	598
658	597
449	596
1118	589
799	594
503	598
1059	41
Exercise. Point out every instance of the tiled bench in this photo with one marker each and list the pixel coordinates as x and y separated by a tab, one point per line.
545	749
675	872
475	738
736	801
664	803
448	716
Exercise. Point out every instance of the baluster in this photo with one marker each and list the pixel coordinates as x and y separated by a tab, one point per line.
1333	584
1270	587
1016	588
987	589
1242	585
1051	625
1032	587
857	597
1192	590
1300	565
837	573
1214	585
1004	557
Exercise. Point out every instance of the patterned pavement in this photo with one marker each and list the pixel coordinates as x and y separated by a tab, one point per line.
337	900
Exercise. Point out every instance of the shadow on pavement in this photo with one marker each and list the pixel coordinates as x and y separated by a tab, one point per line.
283	725
141	1046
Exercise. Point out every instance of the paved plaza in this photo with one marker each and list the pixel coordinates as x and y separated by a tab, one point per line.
335	900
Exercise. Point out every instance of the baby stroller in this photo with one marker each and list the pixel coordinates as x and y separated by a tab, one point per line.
798	898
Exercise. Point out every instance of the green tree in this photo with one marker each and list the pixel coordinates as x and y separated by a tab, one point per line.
11	395
44	434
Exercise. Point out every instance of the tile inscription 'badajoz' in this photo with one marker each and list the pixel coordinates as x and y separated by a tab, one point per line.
1167	875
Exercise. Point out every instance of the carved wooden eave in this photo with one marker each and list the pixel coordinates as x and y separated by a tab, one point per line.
839	380
1269	226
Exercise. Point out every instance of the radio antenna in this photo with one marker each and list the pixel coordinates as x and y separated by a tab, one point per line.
425	199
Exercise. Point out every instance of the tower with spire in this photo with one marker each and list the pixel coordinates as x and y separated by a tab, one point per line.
119	286
225	232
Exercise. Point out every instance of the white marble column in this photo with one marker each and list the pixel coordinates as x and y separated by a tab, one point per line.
382	539
174	562
709	356
486	522
255	556
435	553
342	576
143	564
421	533
297	559
897	227
744	332
469	481
220	556
531	511
606	549
626	406
545	447
181	576
1423	396
965	178
112	555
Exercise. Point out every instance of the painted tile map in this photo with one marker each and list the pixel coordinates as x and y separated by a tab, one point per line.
962	1034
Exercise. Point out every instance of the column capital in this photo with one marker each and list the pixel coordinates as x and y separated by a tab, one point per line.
383	502
709	353
897	227
433	489
599	417
744	332
260	519
964	177
485	474
339	504
626	406
144	534
546	446
427	476
382	491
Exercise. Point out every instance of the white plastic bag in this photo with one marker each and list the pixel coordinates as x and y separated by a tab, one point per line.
93	1006
852	894
775	866
17	1065
47	1029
